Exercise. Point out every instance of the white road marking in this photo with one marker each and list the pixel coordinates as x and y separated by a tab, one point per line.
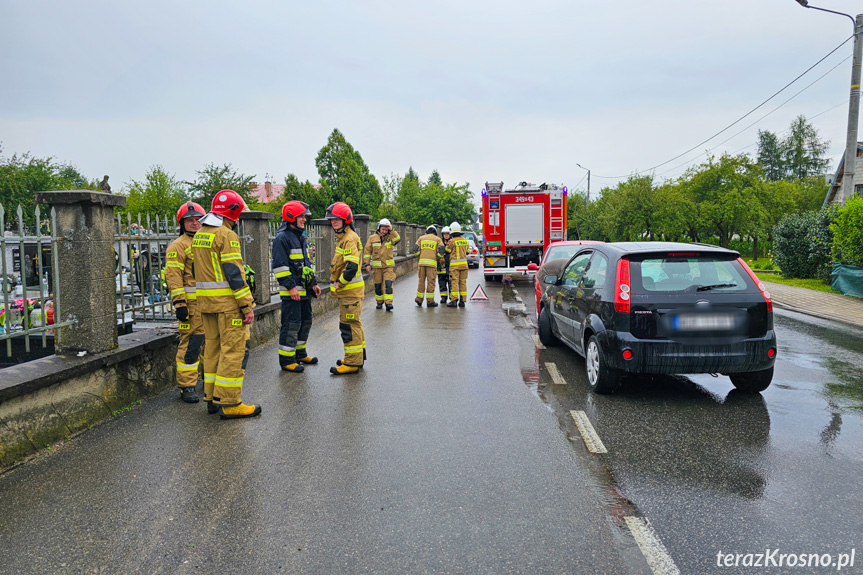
554	373
537	343
657	556
588	433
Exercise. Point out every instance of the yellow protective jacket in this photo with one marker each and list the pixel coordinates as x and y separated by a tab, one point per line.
428	246
457	248
379	250
179	271
346	280
219	271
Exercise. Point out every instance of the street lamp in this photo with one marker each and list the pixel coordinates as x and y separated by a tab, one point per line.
588	177
853	105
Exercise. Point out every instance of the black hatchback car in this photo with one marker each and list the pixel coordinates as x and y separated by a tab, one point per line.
661	307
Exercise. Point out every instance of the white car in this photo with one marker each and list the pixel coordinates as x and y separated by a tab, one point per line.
474	258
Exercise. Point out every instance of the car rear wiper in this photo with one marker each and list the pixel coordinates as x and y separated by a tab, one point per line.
705	288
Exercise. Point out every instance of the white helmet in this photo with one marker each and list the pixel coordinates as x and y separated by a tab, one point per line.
455	227
445	230
384	222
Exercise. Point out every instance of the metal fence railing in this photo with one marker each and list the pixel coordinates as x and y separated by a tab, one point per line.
140	245
28	258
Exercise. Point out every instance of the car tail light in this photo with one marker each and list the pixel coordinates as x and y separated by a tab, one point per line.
621	291
771	353
474	251
627	354
758	282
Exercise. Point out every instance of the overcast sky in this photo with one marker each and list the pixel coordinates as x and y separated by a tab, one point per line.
479	90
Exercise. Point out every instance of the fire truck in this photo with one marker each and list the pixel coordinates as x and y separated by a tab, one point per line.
518	224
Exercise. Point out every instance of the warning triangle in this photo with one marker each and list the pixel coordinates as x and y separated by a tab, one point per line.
481	296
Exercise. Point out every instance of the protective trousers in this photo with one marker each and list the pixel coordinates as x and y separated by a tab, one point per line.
351	329
383	279
225	355
189	350
296	325
458	279
443	284
426	287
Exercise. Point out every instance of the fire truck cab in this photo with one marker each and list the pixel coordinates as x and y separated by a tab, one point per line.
519	224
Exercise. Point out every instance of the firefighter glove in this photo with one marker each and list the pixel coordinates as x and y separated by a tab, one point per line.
182	313
308	274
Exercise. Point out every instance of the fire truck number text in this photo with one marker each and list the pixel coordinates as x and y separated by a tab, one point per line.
522	199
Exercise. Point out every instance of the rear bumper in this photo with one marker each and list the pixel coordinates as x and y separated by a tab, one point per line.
665	356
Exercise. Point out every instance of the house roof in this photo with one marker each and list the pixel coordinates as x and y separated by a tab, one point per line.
834	186
260	192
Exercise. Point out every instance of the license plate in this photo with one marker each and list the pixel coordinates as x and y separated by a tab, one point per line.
705	322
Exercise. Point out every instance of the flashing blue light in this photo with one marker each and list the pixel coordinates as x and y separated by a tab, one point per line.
564	190
484	192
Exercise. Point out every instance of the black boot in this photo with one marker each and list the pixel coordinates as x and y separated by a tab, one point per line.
379	305
452	303
443	300
389	307
432	304
189	395
460	302
419	302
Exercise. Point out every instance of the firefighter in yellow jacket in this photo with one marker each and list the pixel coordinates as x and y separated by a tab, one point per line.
428	247
457	248
226	305
346	284
180	279
378	261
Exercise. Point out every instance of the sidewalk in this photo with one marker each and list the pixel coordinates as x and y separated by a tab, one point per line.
819	304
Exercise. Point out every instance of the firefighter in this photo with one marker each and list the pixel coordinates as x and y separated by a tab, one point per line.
226	305
428	246
296	276
346	284
457	249
443	267
378	260
180	279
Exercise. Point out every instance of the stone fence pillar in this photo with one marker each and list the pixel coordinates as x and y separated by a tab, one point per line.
86	283
256	244
361	226
403	248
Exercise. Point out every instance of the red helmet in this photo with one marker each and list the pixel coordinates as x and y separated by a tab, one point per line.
190	210
340	210
294	209
228	203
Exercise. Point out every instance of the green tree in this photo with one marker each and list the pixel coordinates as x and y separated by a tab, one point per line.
770	155
213	179
803	150
158	193
435	179
22	176
316	196
345	176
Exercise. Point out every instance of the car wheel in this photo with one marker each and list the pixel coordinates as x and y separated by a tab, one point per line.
752	382
602	379
546	336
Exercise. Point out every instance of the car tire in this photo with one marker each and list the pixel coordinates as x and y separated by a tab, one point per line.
546	335
752	382
601	378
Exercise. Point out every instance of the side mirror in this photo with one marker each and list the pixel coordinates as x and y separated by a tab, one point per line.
532	267
550	279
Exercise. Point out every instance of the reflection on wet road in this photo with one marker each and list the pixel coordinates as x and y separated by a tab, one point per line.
716	470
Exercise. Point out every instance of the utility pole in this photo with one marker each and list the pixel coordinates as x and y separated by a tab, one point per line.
853	106
853	114
588	180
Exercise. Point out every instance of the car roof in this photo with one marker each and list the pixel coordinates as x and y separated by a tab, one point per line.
647	247
573	242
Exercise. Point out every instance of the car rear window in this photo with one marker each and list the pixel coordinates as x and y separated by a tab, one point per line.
692	273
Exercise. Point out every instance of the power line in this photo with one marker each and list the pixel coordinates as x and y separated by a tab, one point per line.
736	121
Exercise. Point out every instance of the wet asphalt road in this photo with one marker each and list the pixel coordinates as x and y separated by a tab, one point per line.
719	471
436	459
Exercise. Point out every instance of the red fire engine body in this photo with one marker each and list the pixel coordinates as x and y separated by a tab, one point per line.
519	224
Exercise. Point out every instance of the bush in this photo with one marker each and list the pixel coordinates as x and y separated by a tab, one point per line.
848	233
802	244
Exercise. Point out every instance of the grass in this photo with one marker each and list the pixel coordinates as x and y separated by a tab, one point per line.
761	264
812	284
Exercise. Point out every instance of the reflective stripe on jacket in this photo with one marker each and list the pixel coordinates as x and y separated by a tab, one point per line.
457	248
379	251
178	271
219	271
428	245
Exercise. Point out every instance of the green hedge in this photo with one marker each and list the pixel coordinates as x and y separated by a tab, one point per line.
802	244
848	233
